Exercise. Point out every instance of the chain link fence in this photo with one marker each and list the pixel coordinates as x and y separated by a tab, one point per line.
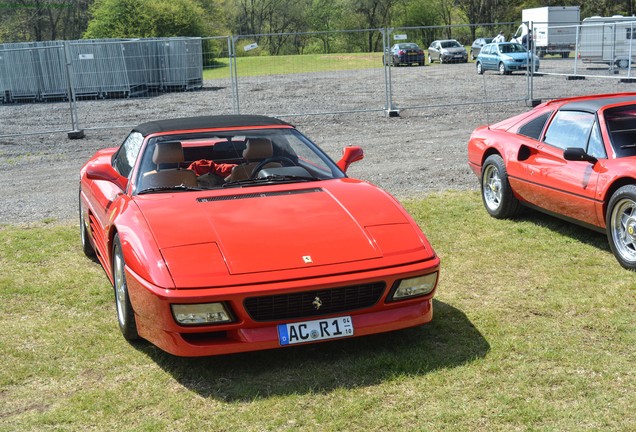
71	86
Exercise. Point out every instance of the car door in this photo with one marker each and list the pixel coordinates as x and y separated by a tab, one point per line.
486	57
102	195
433	51
553	183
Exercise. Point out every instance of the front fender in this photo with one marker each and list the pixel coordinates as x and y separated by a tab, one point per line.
139	247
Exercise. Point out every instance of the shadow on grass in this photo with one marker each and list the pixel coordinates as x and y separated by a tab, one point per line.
450	340
576	232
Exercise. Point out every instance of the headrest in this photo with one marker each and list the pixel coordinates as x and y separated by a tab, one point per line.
258	149
168	152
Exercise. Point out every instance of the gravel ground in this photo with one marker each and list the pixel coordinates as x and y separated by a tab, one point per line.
421	151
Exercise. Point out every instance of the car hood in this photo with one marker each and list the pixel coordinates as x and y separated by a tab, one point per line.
344	224
456	50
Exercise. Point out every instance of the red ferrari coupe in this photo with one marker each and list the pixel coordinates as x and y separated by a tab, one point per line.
574	158
224	234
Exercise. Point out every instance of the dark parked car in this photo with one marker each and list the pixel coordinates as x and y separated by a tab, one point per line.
404	53
447	51
505	57
476	46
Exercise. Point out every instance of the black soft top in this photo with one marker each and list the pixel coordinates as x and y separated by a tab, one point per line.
207	122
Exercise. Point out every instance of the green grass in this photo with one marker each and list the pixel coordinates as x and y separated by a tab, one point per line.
286	64
534	329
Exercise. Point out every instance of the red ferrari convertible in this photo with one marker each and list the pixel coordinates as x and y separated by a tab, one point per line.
225	234
573	158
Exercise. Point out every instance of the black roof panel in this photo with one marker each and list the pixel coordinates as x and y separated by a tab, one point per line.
207	122
593	105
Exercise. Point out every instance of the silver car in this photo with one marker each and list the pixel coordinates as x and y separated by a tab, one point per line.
447	51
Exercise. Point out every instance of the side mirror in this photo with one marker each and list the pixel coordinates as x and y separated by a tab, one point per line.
578	154
350	155
106	172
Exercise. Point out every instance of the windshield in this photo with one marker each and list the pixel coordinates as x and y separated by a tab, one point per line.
211	160
511	48
451	44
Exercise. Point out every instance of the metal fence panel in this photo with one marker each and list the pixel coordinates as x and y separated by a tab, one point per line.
22	74
4	88
304	65
599	61
53	72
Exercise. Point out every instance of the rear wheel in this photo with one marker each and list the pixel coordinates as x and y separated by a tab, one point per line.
125	313
496	192
430	60
621	226
472	55
480	69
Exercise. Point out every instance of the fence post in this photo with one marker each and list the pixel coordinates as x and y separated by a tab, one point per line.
576	50
76	132
390	110
231	42
629	58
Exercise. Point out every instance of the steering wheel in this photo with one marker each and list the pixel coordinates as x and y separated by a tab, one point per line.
261	165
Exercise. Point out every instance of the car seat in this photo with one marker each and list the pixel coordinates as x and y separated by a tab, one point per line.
171	153
256	151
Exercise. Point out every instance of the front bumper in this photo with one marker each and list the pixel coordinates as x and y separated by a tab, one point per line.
518	66
459	58
156	324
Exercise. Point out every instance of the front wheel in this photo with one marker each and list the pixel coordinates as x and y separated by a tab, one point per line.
87	246
496	192
125	313
502	69
430	60
621	226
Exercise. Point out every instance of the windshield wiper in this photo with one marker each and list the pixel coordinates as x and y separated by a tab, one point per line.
626	146
269	179
180	187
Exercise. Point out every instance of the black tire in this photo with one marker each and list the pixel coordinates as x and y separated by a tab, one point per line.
87	246
496	192
430	60
621	226
125	313
480	68
502	69
472	55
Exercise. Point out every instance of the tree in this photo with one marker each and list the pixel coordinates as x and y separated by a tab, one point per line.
145	18
40	20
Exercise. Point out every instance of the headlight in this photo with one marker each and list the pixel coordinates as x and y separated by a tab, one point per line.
414	287
201	313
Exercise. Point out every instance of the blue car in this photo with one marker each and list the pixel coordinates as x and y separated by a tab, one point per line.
505	57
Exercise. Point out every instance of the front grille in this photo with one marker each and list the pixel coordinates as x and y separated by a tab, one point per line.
301	305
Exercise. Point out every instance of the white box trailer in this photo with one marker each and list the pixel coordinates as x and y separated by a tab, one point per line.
608	40
553	29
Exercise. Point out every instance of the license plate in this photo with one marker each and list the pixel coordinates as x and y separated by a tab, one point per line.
310	331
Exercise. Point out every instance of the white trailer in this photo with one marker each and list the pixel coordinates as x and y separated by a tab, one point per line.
553	29
608	40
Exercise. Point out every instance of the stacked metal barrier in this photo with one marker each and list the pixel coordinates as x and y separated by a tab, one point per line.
100	68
